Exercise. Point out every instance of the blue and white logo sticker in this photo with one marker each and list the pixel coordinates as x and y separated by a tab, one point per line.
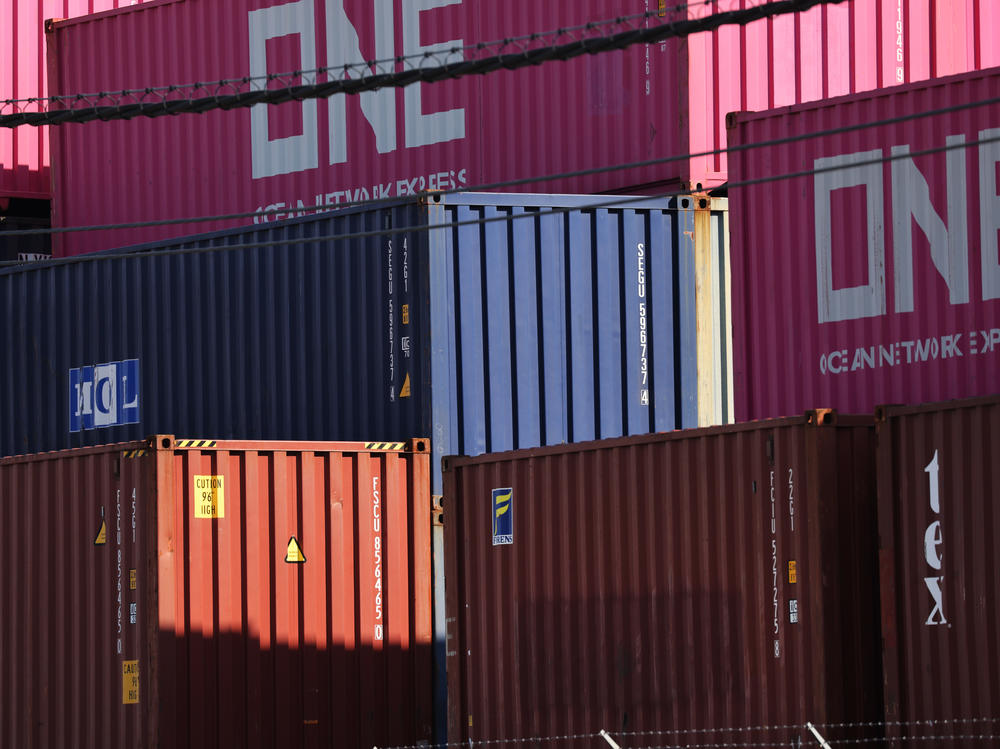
503	516
104	395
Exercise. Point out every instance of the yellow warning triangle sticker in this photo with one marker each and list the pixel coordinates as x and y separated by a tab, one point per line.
102	534
294	554
404	392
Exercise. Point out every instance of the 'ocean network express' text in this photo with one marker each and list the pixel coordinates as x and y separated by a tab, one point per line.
449	179
903	353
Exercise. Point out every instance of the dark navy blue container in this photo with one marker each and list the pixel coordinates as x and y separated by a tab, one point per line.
488	322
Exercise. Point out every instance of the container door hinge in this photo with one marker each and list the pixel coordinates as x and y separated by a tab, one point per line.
437	510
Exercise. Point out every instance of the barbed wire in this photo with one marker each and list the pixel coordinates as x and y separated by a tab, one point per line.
247	92
694	731
322	208
365	67
722	745
176	246
922	737
909	723
798	728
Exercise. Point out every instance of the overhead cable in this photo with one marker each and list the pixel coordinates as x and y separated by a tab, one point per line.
306	210
377	80
609	202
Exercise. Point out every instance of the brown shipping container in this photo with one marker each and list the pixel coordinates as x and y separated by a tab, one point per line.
667	587
193	593
939	524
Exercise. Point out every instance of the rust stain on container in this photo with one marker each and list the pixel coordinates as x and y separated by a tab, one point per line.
640	585
939	523
215	641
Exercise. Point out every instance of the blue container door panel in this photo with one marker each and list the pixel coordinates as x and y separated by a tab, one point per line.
611	356
527	324
469	314
581	303
500	346
636	321
552	249
662	299
444	326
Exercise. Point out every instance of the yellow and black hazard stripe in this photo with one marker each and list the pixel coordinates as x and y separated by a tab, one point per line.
134	453
195	443
384	445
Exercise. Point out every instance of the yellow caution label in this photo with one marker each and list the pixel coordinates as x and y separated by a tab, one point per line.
404	392
294	553
209	497
130	682
662	8
793	573
102	534
131	579
406	314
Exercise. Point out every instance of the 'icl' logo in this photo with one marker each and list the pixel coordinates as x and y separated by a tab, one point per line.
104	395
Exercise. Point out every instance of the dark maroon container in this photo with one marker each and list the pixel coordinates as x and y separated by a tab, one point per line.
717	578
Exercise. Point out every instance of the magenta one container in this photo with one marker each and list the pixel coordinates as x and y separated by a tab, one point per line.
655	101
867	280
24	151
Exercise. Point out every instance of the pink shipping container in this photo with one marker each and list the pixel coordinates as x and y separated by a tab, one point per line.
24	151
710	587
194	593
939	521
874	277
648	102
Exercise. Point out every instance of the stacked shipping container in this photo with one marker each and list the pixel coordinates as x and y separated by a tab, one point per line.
194	593
939	522
24	151
868	265
659	101
694	583
490	322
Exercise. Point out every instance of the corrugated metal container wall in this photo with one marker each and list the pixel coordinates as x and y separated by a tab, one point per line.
707	579
939	522
830	50
591	112
220	593
24	151
564	323
653	101
552	320
874	278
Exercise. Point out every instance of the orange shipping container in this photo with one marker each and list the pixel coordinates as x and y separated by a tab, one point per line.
193	593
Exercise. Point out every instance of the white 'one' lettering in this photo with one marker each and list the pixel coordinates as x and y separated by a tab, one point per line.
298	153
911	201
858	301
